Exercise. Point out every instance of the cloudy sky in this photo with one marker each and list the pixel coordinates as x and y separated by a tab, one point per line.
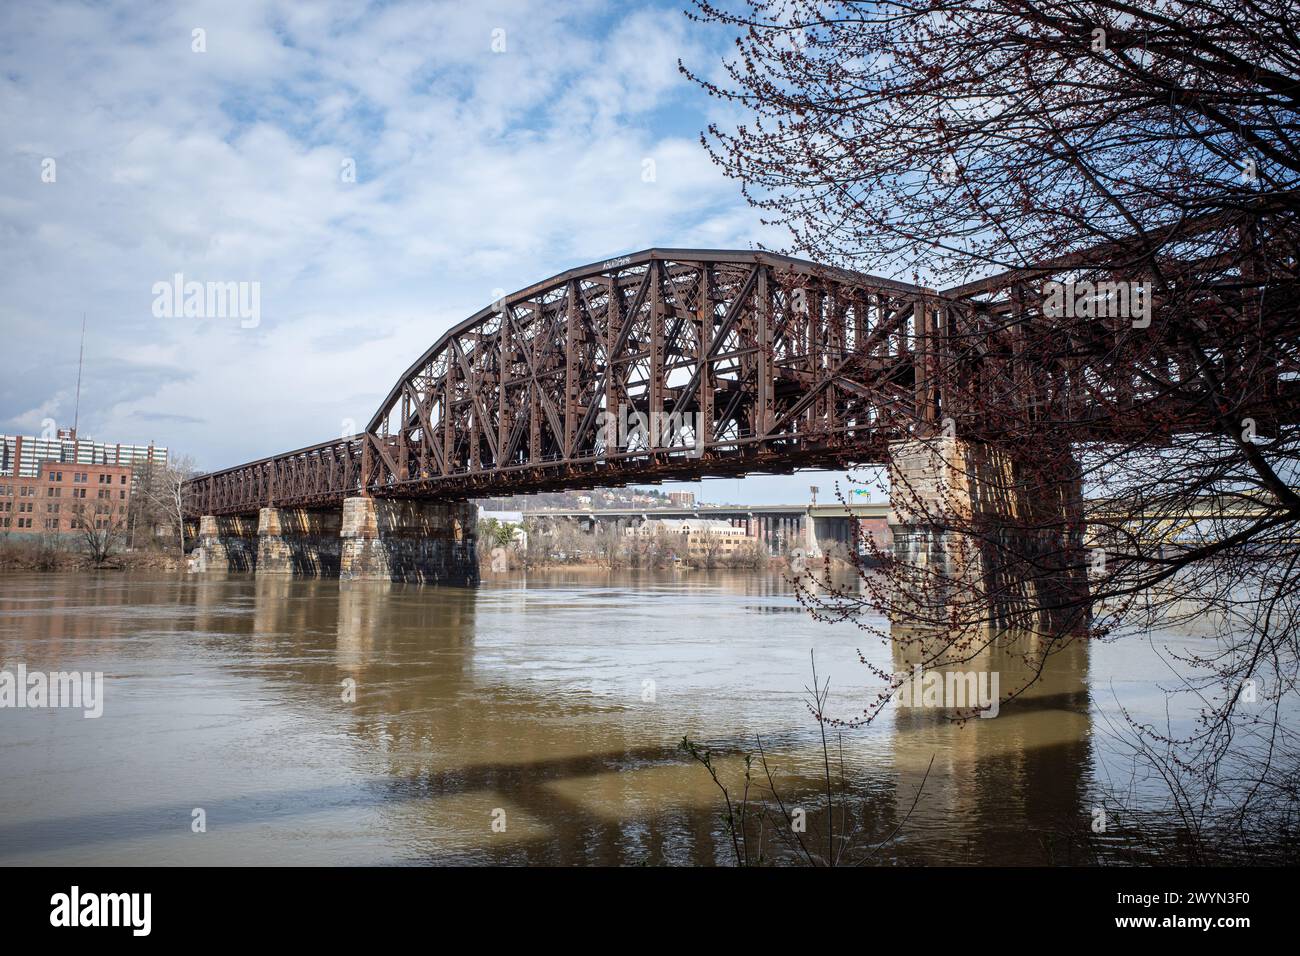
127	157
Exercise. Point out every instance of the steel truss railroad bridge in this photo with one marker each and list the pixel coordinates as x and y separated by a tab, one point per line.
756	362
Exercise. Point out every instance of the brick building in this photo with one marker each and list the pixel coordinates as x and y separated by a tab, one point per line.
60	497
52	485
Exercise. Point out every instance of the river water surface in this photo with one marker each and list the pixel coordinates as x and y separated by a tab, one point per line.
551	706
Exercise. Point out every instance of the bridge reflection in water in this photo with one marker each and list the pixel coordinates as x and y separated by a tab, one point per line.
225	693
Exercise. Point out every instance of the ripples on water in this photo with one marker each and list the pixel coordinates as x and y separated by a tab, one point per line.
559	700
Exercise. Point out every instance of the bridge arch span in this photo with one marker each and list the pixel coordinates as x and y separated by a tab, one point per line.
663	364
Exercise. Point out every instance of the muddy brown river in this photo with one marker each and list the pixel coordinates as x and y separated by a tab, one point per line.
533	720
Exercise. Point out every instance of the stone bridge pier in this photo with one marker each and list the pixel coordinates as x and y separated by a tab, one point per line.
299	541
413	541
368	539
226	543
973	528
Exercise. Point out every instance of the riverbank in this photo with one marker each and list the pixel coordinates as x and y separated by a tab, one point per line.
32	553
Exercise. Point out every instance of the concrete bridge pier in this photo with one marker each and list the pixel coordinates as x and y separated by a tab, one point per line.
811	544
299	541
981	533
411	541
226	543
826	531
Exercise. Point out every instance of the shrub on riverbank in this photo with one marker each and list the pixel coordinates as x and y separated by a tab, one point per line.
50	553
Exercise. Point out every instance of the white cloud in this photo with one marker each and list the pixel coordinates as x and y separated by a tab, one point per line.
475	171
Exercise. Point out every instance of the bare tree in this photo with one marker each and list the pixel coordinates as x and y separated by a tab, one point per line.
1106	198
750	556
101	527
710	550
166	490
611	544
959	136
537	553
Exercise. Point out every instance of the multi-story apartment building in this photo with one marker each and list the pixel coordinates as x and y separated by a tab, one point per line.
21	456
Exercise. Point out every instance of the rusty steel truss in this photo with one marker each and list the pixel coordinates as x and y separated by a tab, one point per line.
660	365
681	364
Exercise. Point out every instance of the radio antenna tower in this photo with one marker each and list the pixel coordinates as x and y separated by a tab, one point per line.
81	355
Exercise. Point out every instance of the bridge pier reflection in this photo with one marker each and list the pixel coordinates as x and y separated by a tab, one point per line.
1041	740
